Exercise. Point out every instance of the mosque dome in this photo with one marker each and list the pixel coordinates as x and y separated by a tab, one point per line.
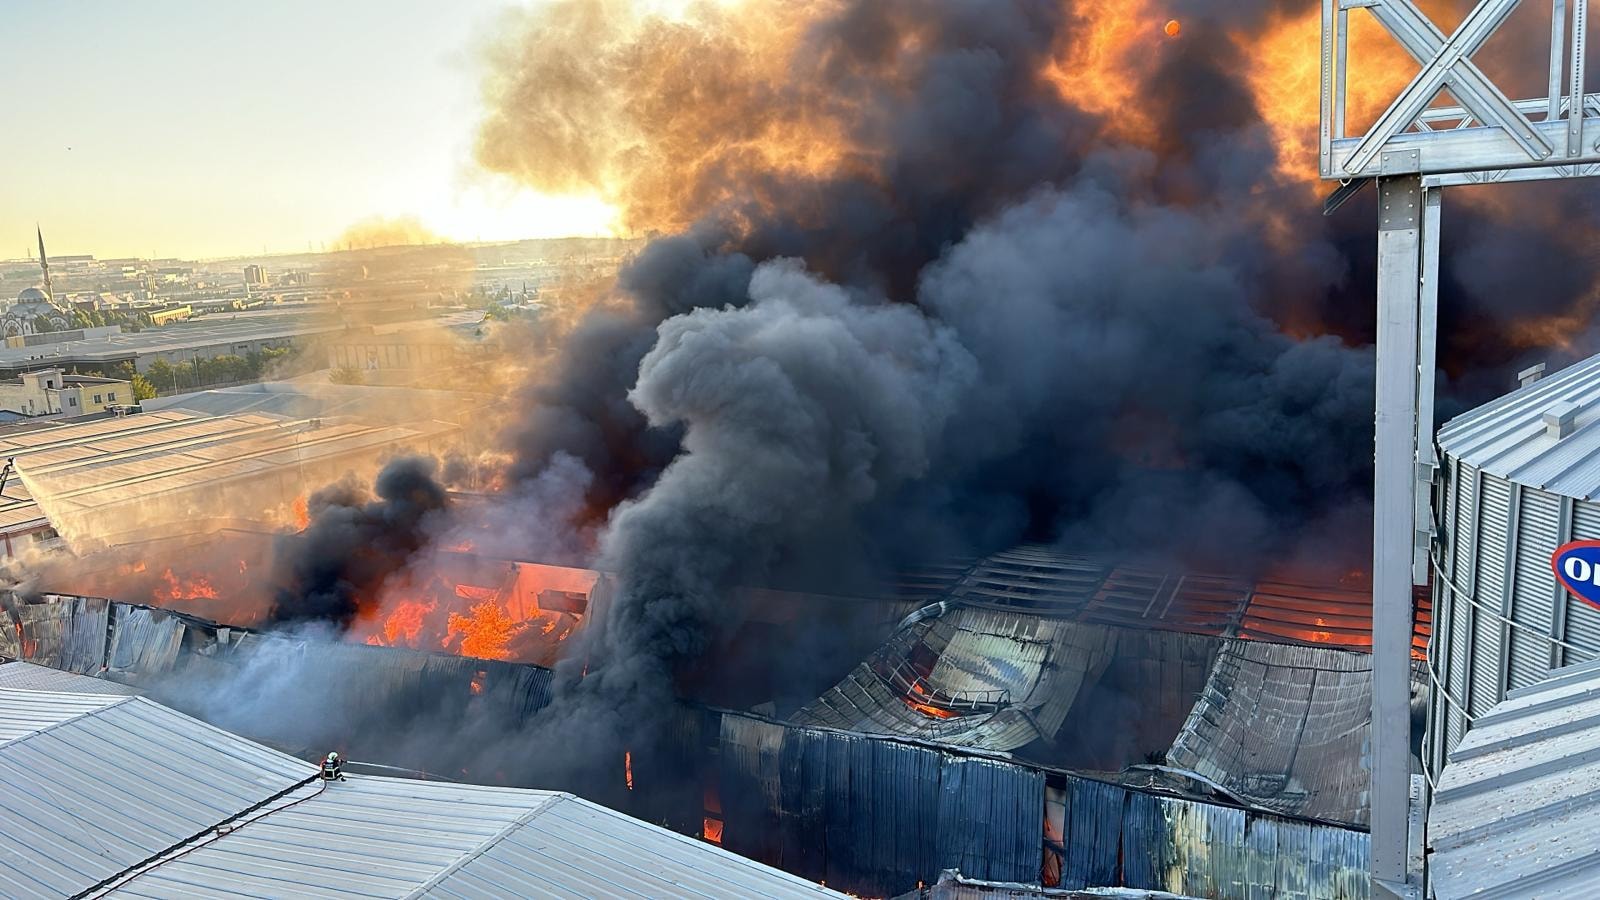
32	295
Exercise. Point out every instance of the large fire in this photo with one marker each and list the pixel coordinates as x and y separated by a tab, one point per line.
523	618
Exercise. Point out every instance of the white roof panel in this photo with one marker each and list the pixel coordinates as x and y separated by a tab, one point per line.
100	783
124	792
1508	438
27	676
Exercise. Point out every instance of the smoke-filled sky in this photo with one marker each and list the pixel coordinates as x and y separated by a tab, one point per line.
193	128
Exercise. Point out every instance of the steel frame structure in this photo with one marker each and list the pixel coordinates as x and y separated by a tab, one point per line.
1413	151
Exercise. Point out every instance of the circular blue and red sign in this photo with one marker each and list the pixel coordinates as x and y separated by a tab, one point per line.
1577	567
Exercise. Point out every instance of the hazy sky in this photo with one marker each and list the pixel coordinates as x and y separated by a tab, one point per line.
209	127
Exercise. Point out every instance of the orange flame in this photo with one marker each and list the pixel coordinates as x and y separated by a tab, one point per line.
195	587
301	513
627	767
712	829
485	632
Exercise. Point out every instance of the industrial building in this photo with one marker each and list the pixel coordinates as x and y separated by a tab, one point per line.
119	796
1257	785
123	478
177	344
52	392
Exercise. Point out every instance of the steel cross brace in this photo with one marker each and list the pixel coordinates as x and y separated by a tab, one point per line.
1446	63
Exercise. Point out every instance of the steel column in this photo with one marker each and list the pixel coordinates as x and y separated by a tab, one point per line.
1400	259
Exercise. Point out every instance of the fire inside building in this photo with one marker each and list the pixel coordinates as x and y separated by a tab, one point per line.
927	510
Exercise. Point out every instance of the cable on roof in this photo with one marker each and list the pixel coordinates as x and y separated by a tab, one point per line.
221	829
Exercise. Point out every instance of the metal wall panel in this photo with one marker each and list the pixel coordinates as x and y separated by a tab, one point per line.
1454	659
1532	604
1093	829
1494	527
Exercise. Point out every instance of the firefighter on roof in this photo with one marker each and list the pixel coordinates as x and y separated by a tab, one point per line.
333	768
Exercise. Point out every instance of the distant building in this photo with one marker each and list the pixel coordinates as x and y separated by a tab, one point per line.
50	392
35	309
255	275
397	357
171	314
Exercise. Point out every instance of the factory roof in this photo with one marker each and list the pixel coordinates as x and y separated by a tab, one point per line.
26	676
1511	437
209	332
304	399
1044	581
982	678
1518	802
94	784
123	795
82	469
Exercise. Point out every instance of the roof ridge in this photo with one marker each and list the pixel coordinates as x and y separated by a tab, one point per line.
483	847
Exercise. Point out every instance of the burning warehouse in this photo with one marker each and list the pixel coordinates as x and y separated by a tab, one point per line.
991	732
967	483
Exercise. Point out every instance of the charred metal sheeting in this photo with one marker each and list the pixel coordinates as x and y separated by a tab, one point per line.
953	885
1044	581
1518	804
979	678
997	680
69	634
874	816
1285	727
878	816
1216	851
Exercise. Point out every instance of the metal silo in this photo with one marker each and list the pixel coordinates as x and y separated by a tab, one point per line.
1518	477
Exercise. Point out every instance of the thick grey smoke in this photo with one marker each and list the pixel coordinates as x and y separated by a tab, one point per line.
797	410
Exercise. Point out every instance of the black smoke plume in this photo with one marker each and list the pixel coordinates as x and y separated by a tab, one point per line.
355	541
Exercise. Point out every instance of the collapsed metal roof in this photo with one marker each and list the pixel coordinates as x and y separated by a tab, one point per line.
974	677
124	795
1285	728
1510	437
1044	581
1517	805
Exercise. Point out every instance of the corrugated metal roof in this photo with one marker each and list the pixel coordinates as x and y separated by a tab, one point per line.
1043	580
96	787
26	676
1284	727
1517	809
1508	438
982	678
93	784
388	837
23	712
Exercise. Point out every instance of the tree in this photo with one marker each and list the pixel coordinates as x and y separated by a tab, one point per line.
346	375
142	389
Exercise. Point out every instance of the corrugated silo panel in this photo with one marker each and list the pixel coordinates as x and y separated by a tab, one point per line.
1533	587
1494	524
1454	657
1583	631
1582	627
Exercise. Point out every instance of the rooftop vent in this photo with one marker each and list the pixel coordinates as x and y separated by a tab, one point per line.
1560	419
1530	375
